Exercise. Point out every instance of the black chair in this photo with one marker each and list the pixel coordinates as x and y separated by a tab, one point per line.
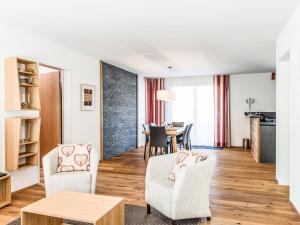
153	124
178	124
189	136
182	140
158	139
146	129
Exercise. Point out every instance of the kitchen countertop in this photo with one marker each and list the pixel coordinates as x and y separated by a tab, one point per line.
262	123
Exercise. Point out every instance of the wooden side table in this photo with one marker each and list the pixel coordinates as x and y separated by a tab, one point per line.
5	191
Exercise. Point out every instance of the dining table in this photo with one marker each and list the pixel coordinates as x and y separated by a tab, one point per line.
172	132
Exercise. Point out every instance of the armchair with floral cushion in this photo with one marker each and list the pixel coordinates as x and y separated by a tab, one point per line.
185	197
68	169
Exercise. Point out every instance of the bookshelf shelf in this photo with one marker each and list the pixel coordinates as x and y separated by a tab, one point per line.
21	84
27	154
21	142
27	73
28	143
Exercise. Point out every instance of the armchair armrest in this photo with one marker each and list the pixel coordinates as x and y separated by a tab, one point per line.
192	187
50	162
160	166
94	164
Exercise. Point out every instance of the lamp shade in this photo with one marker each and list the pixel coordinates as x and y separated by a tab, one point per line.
165	95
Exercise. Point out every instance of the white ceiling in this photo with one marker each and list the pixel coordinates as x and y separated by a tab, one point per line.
196	37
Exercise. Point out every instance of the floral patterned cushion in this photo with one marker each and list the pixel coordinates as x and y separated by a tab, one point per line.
73	157
186	158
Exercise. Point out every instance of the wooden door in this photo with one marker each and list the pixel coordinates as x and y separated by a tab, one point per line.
51	112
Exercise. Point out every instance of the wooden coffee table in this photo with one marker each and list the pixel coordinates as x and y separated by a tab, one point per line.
88	208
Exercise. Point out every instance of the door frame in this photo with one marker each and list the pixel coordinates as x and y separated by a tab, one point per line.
101	112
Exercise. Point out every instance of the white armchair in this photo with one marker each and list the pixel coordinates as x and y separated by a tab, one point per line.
79	181
187	197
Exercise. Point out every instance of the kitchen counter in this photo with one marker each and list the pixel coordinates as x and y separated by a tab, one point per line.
263	140
263	123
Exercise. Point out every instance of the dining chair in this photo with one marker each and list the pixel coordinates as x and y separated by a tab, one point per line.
178	124
158	139
189	142
183	140
146	129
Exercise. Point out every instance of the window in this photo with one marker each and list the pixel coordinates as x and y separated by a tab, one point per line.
195	104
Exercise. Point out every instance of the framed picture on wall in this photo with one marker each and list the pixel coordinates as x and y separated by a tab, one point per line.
87	97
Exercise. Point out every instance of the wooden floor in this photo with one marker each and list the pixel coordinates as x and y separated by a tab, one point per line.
243	191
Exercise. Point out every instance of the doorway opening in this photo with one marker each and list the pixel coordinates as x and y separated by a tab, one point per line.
51	109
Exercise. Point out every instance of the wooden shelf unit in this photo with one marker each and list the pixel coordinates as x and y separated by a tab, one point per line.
19	154
15	91
5	193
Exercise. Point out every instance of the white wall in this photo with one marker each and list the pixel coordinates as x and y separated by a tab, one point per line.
141	109
283	93
242	86
83	126
288	41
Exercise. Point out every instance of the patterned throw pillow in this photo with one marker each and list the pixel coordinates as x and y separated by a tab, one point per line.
74	157
186	158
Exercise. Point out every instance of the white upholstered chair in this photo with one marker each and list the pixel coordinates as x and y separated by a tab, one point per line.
79	181
187	197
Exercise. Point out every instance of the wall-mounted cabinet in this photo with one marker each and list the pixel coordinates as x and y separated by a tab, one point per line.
22	136
21	84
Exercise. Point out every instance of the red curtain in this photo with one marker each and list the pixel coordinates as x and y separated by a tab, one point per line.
155	109
222	111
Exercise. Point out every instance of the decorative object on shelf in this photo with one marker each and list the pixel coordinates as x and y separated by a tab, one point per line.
26	131
28	126
25	100
166	95
21	67
25	79
87	97
30	70
250	101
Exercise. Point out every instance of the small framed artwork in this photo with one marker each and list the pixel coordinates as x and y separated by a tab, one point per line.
87	97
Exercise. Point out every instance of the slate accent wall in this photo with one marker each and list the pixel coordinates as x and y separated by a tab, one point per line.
119	110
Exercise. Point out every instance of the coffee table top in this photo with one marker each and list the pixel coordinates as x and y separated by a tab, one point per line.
74	206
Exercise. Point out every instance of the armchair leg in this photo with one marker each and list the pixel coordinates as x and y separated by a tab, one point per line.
173	222
208	218
148	209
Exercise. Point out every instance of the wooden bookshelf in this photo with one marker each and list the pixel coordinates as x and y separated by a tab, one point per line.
22	136
18	91
5	193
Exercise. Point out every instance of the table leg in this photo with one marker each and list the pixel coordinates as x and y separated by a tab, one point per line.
148	151
35	219
116	216
174	143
